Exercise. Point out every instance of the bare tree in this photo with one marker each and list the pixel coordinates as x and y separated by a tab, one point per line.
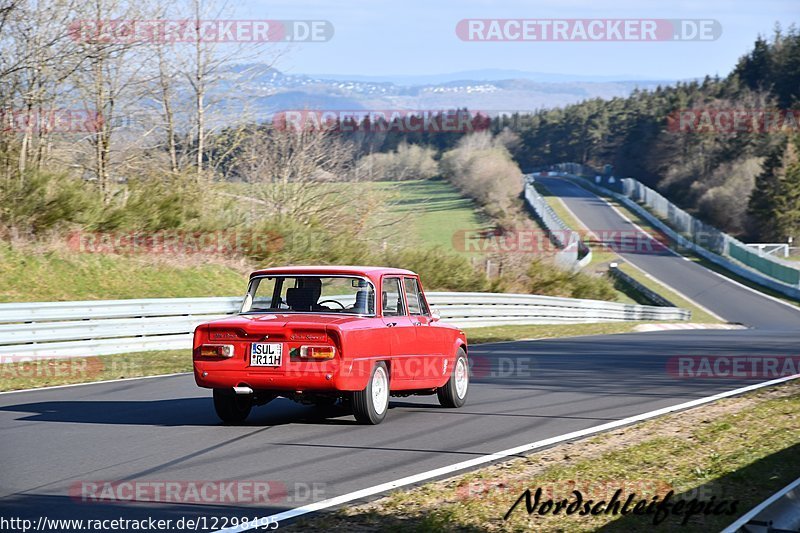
112	77
205	68
37	56
408	162
304	176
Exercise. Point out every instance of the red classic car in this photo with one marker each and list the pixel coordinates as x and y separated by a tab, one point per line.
319	335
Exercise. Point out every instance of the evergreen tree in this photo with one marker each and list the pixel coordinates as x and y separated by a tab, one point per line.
775	200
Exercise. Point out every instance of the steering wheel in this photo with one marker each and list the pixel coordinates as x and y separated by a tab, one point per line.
332	301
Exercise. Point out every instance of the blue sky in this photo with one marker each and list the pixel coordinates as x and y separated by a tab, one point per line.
378	37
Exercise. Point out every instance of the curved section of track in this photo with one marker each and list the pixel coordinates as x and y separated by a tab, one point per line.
726	298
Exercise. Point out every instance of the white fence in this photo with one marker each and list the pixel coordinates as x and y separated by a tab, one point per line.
707	241
711	238
758	277
69	329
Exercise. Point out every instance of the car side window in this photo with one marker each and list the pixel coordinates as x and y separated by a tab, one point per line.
416	302
392	297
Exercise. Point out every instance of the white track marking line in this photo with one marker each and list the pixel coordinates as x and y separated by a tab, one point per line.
640	269
94	383
676	291
576	217
464	465
673	252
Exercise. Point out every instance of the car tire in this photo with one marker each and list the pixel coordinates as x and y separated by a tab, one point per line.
370	405
232	408
454	393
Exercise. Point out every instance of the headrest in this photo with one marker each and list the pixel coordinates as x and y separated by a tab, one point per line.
300	298
364	302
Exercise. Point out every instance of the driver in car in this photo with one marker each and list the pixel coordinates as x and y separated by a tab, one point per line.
313	289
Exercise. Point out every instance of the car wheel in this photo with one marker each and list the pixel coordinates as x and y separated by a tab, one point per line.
232	408
454	393
370	405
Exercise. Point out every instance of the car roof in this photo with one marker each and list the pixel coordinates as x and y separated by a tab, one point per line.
373	272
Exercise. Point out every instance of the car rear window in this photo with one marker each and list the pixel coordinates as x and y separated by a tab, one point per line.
310	294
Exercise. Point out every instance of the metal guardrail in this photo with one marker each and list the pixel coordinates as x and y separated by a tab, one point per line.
87	328
674	236
780	513
569	242
710	237
650	295
705	240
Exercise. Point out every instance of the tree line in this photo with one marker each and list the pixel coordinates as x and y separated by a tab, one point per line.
746	182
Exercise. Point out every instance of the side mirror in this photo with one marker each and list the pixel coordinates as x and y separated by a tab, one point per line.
435	316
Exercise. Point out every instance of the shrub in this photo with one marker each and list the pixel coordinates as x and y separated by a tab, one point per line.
154	204
408	162
439	270
38	202
482	168
548	280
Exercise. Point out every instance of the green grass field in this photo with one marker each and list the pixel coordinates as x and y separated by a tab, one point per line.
425	212
434	211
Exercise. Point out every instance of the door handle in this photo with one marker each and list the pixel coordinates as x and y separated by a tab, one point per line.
417	323
391	324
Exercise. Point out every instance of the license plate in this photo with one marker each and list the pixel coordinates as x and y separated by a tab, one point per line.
266	354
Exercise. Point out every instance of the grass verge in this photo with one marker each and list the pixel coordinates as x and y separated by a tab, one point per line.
51	372
38	373
559	207
546	331
27	275
720	453
699	314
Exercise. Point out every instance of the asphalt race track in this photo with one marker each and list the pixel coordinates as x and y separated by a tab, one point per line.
164	429
729	300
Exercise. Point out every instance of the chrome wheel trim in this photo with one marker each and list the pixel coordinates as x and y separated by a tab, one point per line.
461	377
380	390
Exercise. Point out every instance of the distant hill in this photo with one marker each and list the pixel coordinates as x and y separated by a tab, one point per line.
484	75
268	90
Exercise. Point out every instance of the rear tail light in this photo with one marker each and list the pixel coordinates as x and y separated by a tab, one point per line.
317	352
216	350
